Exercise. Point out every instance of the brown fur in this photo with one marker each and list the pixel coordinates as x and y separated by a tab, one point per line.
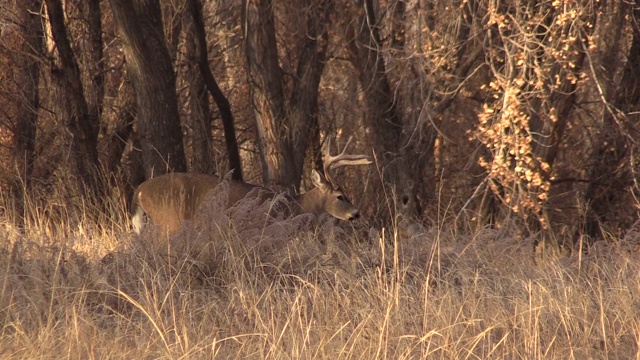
170	199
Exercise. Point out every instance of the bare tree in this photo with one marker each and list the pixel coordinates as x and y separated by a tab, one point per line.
612	134
153	78
267	93
198	137
284	127
304	101
383	119
94	56
195	11
27	119
82	124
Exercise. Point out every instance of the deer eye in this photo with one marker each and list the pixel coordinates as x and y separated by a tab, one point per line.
340	197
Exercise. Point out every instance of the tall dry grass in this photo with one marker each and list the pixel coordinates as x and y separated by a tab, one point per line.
239	285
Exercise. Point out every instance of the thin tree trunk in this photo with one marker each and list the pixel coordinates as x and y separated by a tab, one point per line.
235	164
197	101
304	101
95	94
384	122
27	119
26	124
629	90
83	126
125	107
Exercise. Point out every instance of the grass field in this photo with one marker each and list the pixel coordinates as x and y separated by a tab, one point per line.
238	286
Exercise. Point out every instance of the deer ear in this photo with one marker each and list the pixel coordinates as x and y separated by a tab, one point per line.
318	180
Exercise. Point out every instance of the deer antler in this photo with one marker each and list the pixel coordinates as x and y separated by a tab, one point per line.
331	162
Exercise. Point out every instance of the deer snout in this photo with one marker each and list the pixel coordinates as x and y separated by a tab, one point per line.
354	216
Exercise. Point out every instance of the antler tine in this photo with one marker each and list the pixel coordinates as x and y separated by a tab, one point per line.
333	162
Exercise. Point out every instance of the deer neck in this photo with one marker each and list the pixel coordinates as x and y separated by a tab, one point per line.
312	201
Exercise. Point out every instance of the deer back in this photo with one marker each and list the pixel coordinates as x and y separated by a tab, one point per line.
170	199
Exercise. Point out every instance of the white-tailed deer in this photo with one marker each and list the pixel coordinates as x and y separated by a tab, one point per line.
170	199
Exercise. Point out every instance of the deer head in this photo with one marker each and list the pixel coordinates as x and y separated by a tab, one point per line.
326	196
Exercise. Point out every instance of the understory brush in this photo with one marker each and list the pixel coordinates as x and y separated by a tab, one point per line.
237	284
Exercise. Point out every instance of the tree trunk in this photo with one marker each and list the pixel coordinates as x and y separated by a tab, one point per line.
153	79
83	126
197	101
382	115
24	140
284	128
95	57
235	164
125	114
304	101
267	94
25	133
610	135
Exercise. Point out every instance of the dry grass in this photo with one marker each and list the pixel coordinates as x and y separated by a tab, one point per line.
241	286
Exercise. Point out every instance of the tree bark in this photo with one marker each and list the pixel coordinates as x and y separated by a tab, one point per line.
304	101
233	152
197	100
125	110
95	94
382	114
629	90
153	79
27	120
284	128
82	125
267	94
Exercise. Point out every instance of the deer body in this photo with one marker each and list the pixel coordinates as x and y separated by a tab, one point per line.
170	199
